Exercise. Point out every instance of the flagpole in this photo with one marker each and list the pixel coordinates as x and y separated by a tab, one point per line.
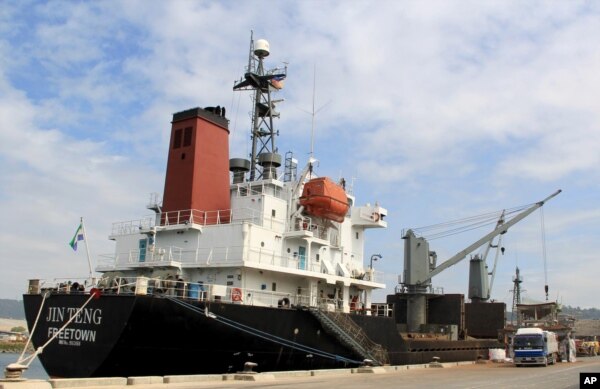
87	249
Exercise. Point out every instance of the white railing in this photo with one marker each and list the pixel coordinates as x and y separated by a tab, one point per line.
192	291
197	291
253	189
61	285
375	276
214	255
190	216
306	224
155	256
318	231
382	309
194	216
290	261
132	226
430	289
234	255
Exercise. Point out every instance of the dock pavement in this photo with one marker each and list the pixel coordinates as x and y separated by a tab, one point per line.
455	375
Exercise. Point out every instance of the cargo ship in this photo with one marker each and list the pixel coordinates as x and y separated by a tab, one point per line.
253	260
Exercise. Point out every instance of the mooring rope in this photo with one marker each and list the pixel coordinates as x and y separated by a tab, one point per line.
262	334
37	318
27	361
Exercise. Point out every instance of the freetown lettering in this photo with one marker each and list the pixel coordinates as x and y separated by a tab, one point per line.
73	334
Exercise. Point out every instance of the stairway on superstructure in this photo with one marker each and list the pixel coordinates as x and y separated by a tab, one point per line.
351	335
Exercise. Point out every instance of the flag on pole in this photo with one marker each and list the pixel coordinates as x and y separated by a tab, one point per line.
277	81
77	237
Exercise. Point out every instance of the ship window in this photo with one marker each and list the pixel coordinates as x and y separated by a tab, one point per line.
263	287
273	213
262	244
357	235
187	137
182	156
274	287
317	258
177	139
288	250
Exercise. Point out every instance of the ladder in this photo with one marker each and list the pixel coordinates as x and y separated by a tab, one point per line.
351	335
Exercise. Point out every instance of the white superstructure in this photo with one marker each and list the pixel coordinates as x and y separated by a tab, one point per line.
261	251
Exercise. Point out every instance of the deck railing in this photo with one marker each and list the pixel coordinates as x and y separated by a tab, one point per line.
230	255
191	291
187	217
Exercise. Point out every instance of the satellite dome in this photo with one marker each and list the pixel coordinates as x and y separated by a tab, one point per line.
261	48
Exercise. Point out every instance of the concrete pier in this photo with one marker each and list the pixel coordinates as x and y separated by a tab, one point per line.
454	375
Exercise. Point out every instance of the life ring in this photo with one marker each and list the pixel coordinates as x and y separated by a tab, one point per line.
236	294
375	217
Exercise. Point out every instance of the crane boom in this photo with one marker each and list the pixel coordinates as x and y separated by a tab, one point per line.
500	229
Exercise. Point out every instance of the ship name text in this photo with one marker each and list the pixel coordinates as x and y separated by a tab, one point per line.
86	316
73	336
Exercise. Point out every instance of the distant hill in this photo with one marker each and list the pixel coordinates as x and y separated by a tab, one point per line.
12	309
579	313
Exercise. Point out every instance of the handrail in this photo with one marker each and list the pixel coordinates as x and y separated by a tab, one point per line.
187	216
351	333
183	289
225	255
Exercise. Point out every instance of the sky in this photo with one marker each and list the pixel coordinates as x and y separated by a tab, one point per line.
437	110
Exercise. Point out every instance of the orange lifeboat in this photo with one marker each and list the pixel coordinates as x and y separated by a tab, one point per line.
323	198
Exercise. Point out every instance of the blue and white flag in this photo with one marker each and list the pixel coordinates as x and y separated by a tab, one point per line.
77	237
277	81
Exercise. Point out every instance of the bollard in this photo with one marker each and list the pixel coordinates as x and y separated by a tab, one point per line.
435	362
14	371
248	366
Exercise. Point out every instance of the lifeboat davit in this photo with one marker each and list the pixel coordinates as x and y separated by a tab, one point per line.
324	198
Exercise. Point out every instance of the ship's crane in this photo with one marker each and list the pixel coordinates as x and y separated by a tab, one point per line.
420	264
480	285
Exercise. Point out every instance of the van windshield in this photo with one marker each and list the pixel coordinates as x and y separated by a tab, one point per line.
525	342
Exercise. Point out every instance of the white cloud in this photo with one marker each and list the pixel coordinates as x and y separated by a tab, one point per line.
51	180
440	109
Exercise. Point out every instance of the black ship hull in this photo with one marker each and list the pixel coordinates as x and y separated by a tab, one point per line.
129	335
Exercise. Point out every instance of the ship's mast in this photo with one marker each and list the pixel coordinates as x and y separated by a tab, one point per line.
262	83
517	281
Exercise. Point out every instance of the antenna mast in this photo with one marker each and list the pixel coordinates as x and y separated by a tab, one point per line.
314	112
517	281
312	123
262	83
